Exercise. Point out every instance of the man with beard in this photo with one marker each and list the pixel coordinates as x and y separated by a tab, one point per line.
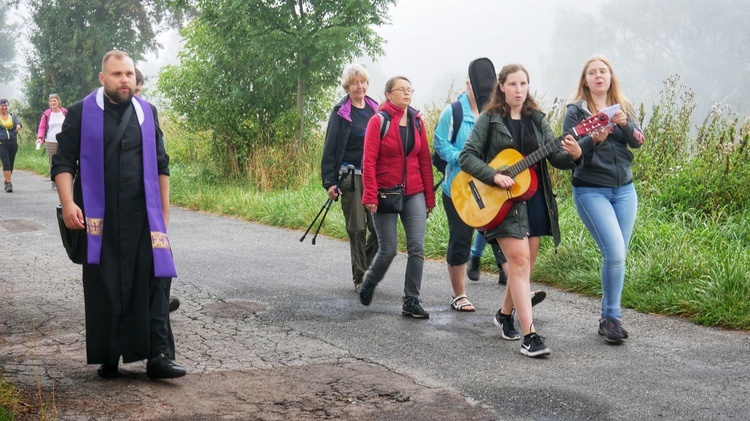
111	142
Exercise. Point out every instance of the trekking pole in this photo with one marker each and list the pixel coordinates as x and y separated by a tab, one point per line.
341	180
326	204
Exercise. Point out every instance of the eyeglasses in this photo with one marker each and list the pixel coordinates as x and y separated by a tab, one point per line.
403	90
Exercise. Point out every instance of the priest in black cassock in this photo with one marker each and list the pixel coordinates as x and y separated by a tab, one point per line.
112	176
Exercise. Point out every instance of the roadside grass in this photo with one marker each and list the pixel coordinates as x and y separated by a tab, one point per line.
10	400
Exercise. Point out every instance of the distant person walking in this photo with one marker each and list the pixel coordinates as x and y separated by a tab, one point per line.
344	146
400	157
10	125
603	188
174	303
49	126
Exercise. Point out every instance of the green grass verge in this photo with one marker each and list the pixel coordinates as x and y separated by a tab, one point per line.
9	401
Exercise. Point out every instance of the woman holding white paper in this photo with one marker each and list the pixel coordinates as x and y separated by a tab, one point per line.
603	188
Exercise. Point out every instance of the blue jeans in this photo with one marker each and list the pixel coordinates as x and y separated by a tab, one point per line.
413	217
609	215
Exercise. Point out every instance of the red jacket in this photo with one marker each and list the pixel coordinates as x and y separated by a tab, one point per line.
383	161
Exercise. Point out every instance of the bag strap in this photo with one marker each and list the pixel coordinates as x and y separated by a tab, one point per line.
385	125
120	130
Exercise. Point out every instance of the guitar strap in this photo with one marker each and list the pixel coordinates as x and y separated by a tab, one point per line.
487	144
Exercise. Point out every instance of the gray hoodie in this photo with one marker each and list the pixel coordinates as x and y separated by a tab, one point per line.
607	164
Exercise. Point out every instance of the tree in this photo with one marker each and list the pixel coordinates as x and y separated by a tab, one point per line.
250	67
7	49
71	37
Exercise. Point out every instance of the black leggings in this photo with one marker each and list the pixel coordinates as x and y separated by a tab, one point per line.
8	151
460	235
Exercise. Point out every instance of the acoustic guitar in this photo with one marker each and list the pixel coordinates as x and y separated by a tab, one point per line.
484	207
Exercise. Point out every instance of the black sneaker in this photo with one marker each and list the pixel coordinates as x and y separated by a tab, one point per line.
507	326
502	278
533	346
9	187
537	297
414	309
612	330
366	292
472	268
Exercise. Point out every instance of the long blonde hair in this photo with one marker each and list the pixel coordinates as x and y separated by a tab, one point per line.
614	94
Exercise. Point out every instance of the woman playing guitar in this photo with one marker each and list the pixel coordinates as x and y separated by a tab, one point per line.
512	119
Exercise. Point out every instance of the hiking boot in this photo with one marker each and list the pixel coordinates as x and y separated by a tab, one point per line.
366	292
502	278
612	330
472	268
507	326
414	309
533	346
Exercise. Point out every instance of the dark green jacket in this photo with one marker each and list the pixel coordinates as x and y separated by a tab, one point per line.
473	161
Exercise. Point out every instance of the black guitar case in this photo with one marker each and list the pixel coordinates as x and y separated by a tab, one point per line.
483	80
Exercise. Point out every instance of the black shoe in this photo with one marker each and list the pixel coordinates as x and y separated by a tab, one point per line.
9	187
414	309
507	326
162	367
533	346
612	330
366	292
174	304
502	278
108	371
472	268
537	297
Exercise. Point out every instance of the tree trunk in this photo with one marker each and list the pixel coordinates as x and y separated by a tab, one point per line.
300	109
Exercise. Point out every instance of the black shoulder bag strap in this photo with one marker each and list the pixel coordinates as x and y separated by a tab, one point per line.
120	130
405	143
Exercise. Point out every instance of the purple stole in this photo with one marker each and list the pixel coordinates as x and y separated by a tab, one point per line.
92	181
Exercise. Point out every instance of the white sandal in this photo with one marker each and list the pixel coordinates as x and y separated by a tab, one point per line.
462	307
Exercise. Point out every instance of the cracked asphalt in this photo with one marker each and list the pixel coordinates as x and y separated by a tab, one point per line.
270	329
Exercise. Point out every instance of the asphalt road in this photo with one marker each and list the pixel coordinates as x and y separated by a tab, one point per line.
668	369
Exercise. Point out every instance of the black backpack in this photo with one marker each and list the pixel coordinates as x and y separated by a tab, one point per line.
458	115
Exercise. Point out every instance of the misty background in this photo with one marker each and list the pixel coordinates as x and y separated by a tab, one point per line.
432	42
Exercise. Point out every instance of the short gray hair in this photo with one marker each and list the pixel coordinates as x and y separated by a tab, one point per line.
351	72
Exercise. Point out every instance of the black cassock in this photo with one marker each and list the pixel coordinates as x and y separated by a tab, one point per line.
127	307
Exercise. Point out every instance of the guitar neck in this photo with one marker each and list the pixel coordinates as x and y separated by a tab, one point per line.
537	155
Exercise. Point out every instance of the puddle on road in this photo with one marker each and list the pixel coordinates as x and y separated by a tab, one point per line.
234	308
18	226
